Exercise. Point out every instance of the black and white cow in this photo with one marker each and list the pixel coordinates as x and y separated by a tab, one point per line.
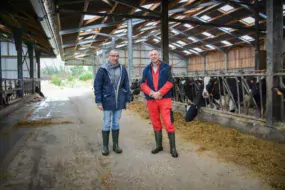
213	87
135	89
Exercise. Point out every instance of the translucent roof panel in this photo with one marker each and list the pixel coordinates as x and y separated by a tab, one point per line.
183	1
208	34
226	8
247	37
172	46
198	49
192	39
205	17
181	42
144	6
210	46
120	31
248	20
88	17
188	26
226	43
156	40
187	52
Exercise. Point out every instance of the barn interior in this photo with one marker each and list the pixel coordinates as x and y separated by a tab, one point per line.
238	44
198	38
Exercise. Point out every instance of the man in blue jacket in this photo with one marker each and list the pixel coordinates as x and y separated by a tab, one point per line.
112	94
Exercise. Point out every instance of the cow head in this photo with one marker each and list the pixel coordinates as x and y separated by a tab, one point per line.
208	87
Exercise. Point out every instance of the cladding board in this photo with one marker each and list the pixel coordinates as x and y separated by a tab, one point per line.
239	58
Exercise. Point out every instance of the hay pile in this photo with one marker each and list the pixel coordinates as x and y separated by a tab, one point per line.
140	108
39	123
266	158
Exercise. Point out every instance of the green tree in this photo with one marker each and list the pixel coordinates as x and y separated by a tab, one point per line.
77	70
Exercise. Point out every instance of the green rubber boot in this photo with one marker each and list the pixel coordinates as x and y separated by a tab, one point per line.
173	151
158	140
115	136
105	148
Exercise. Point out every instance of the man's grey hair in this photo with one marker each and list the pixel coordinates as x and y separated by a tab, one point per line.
112	50
154	50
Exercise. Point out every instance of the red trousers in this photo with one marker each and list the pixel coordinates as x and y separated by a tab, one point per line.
157	108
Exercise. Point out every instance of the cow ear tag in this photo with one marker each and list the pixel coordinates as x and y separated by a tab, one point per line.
196	107
215	82
279	93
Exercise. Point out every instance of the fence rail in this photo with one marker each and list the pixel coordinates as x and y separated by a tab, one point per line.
15	89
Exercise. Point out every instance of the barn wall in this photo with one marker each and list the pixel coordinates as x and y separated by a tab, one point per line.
9	61
239	58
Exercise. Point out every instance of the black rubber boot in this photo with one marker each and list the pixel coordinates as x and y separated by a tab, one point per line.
158	140
173	151
105	148
115	136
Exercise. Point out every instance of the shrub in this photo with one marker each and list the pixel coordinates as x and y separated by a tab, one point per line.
55	80
70	78
85	76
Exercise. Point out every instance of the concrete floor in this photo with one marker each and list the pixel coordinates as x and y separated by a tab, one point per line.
68	156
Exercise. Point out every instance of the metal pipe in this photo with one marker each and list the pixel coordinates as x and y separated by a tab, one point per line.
113	42
1	87
130	48
40	10
238	95
261	99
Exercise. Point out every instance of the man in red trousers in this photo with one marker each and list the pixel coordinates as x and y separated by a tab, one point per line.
156	84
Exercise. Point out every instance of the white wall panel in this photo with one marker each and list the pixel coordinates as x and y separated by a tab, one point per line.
12	49
4	48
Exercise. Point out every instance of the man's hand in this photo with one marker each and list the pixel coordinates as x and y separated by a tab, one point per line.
157	95
127	106
100	108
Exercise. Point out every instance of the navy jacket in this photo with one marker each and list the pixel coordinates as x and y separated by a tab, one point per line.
165	75
105	93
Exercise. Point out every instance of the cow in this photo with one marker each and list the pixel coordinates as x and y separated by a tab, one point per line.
213	87
192	110
256	93
135	89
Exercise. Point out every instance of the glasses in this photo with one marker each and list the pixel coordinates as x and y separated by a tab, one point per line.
114	55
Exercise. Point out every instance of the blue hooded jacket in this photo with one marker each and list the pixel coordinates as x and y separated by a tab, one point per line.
105	92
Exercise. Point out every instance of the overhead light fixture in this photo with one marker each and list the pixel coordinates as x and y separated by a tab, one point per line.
183	1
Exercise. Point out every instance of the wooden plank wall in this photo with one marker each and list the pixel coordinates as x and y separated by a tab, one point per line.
239	58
